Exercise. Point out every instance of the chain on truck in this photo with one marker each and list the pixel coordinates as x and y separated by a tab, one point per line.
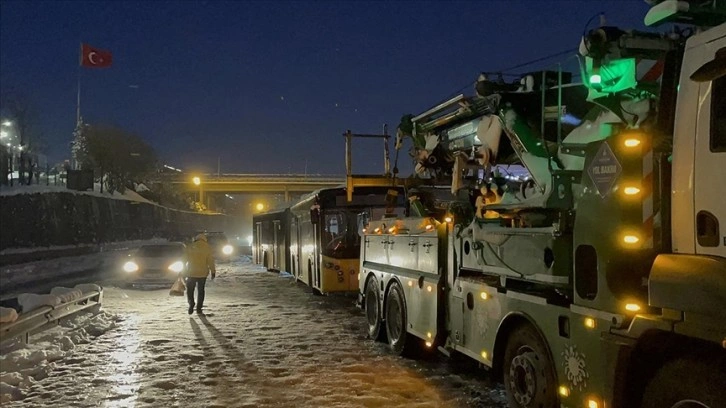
596	277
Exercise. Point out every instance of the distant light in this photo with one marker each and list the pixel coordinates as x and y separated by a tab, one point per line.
484	296
595	79
3	133
484	355
428	288
428	334
428	344
20	148
377	230
589	322
7	123
564	391
410	283
632	307
392	229
448	219
260	206
227	249
249	239
631	142
429	227
196	180
365	230
591	403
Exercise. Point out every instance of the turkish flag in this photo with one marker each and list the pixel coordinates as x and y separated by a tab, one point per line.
94	57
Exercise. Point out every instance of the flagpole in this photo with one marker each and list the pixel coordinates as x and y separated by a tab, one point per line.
78	102
76	133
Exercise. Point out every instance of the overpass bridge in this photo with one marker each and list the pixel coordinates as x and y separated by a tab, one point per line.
286	184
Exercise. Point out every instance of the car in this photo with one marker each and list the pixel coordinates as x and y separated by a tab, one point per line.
222	249
156	263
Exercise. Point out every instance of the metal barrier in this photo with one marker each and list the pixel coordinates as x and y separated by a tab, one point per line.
46	317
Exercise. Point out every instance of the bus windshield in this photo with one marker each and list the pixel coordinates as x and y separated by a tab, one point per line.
339	235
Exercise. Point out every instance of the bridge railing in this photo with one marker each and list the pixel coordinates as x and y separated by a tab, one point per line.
258	178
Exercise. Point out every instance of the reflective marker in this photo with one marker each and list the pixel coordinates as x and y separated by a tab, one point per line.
631	190
631	142
632	307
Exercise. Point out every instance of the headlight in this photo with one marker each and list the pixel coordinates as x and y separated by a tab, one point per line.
227	249
131	266
177	266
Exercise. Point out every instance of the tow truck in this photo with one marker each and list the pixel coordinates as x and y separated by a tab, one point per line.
598	279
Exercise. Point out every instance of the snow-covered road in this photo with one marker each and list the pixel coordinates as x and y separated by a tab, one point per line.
265	342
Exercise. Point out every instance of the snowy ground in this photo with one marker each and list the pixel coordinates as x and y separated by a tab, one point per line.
266	341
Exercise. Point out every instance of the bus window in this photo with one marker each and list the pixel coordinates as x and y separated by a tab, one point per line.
340	237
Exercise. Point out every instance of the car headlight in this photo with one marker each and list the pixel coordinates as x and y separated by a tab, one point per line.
227	249
131	266
177	266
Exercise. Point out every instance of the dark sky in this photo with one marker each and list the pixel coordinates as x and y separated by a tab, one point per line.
269	87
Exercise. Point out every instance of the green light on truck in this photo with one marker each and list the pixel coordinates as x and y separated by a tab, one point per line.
611	76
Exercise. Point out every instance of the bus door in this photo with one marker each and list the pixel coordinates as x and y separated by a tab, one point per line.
275	244
294	242
315	219
258	243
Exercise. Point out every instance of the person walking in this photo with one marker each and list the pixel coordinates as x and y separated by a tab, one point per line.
201	264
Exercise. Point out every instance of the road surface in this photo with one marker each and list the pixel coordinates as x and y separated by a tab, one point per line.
265	341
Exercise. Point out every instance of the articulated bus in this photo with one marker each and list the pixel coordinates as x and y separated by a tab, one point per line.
271	239
318	239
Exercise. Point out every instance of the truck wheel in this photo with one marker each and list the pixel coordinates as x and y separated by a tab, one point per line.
397	322
373	313
687	383
529	375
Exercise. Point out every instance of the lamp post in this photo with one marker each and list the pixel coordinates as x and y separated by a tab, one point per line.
198	182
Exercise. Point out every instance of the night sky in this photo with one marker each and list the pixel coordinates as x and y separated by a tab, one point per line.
269	87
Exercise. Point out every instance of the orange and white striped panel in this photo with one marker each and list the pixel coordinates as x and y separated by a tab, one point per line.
649	70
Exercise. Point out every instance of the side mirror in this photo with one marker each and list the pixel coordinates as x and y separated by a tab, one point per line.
315	216
713	69
363	220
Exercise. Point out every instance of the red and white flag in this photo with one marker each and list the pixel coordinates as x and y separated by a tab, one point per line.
95	58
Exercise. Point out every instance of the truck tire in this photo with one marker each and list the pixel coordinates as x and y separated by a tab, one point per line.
397	322
373	311
688	383
529	374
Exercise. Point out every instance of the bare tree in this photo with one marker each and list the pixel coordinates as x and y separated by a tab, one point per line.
118	158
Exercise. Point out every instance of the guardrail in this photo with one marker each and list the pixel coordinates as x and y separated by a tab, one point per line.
46	317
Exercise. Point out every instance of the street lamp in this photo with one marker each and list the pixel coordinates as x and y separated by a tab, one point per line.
198	182
260	206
